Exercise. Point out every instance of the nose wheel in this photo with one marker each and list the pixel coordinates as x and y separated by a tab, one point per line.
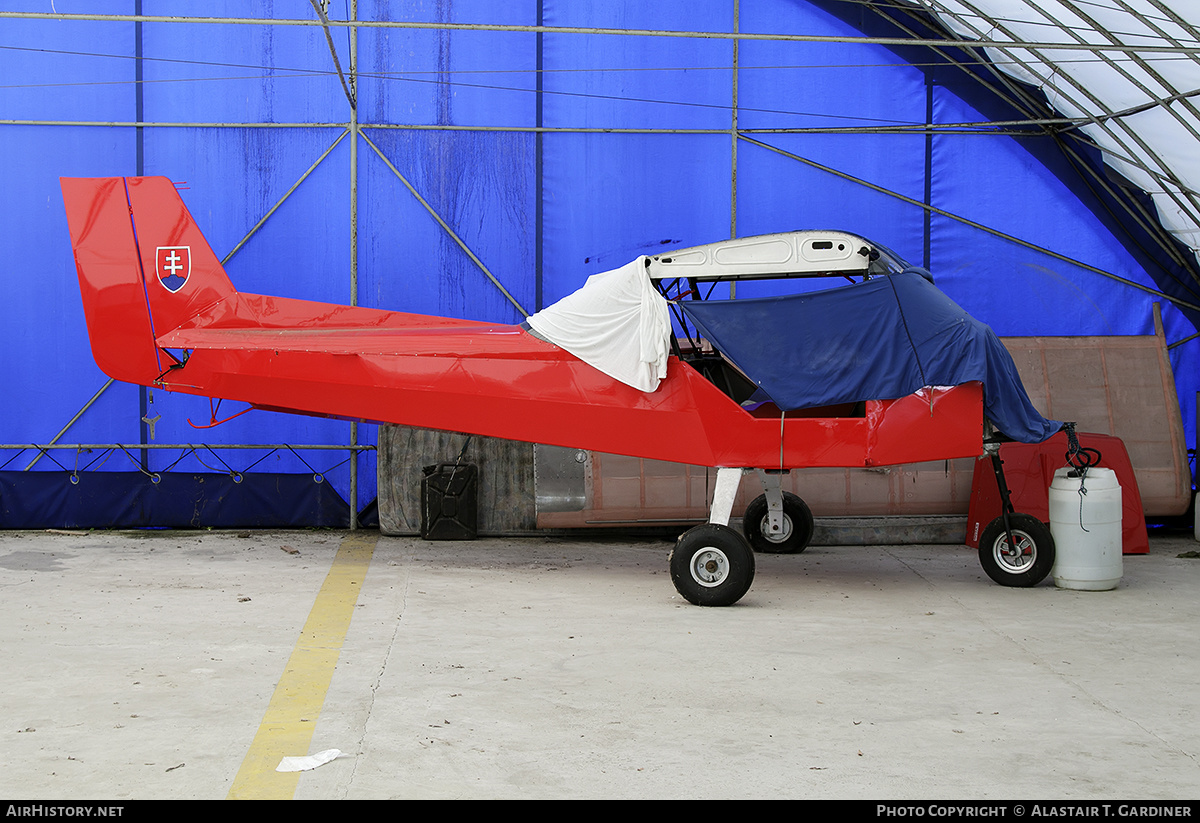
1015	549
1023	561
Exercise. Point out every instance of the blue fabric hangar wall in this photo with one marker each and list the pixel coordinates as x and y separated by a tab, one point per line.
549	154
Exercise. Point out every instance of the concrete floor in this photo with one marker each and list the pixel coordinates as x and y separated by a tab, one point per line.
141	665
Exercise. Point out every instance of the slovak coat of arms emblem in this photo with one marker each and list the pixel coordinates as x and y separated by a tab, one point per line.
173	265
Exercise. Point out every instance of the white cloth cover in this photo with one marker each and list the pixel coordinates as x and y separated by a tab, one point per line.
616	323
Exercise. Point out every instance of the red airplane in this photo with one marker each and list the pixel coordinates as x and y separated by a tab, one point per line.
161	312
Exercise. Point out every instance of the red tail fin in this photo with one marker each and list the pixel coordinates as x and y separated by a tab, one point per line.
144	270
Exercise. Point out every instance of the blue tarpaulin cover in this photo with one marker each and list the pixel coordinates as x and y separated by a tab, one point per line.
878	340
180	500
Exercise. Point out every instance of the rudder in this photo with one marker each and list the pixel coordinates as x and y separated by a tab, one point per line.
144	270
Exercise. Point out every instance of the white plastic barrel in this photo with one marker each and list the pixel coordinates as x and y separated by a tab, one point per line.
1086	530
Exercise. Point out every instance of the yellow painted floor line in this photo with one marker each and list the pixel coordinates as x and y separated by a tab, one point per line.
287	727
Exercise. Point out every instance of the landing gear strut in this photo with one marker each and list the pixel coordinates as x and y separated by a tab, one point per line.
1015	549
713	565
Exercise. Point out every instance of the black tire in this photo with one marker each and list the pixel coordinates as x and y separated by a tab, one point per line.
797	526
1026	567
712	565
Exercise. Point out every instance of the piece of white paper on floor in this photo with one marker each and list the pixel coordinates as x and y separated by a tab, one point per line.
311	761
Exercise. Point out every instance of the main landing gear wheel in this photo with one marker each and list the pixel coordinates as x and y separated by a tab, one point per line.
1025	564
797	526
712	565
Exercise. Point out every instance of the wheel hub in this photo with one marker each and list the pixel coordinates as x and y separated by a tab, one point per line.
1016	556
709	566
781	536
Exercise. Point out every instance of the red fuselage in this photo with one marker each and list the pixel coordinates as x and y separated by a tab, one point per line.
433	372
